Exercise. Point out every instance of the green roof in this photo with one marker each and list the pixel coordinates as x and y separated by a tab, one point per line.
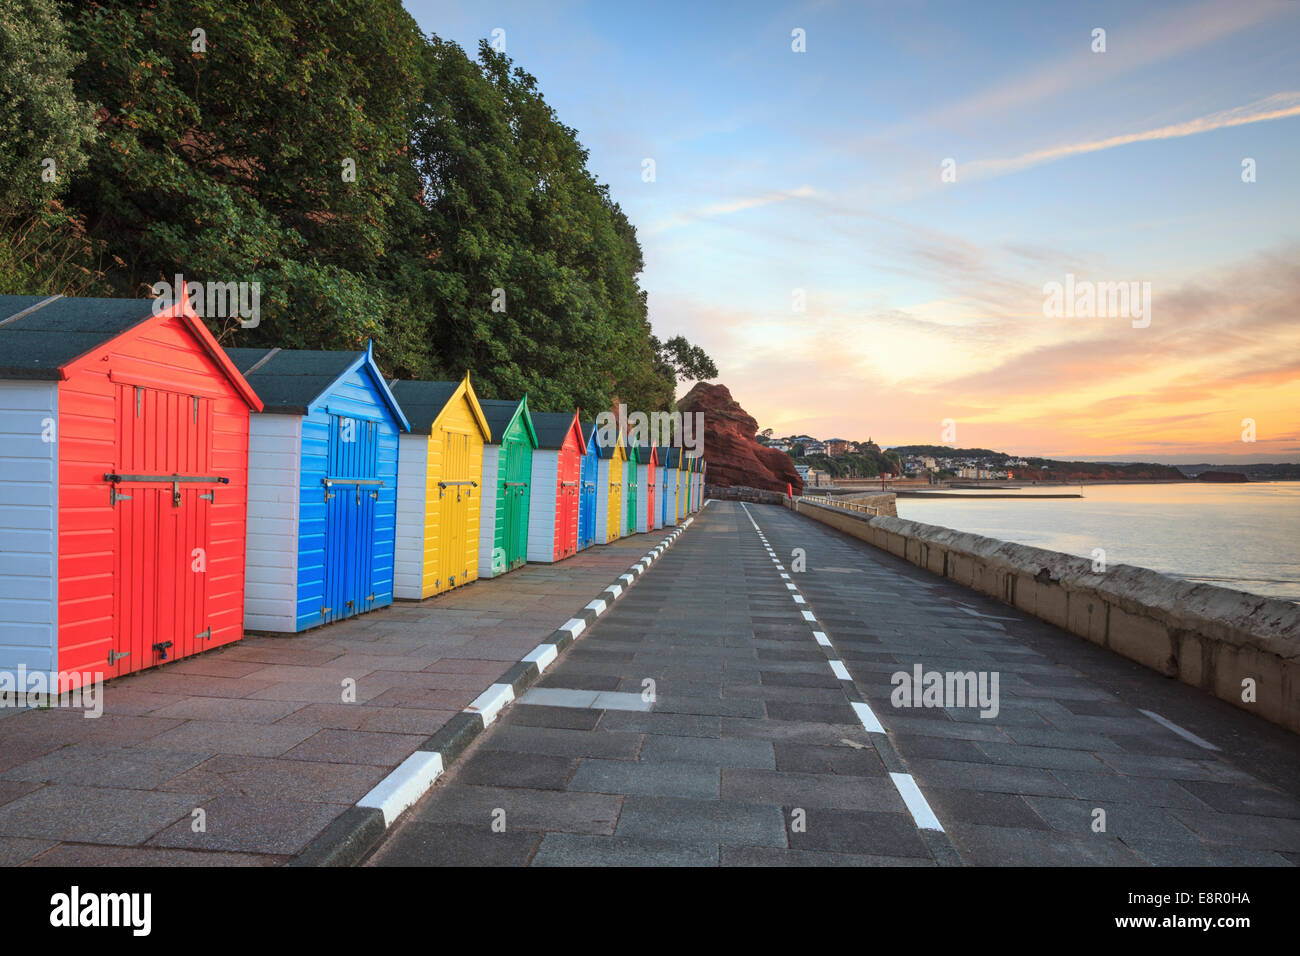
423	402
552	428
289	380
44	340
501	412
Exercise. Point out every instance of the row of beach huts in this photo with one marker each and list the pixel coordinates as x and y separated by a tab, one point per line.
159	494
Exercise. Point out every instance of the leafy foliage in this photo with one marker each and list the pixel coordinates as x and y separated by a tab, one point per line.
472	236
40	114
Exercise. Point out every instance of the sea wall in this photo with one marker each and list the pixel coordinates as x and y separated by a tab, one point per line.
745	493
1210	637
885	503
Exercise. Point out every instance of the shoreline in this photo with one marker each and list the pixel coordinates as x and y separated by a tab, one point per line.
992	496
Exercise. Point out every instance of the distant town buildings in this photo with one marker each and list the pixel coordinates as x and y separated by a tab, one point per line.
985	468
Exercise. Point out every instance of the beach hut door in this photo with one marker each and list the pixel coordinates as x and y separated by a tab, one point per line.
516	504
161	492
351	493
456	491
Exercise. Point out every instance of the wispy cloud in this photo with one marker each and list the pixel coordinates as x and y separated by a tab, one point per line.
714	210
1277	106
1162	36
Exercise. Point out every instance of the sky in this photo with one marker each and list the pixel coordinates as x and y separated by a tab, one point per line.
863	235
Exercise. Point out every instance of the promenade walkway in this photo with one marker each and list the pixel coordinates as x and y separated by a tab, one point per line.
257	735
757	749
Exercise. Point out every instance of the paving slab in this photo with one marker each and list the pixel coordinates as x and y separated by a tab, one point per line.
275	736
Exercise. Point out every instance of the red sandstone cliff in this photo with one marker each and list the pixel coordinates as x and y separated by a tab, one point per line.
733	456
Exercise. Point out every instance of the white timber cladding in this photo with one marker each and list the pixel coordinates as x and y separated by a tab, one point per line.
29	525
644	521
274	487
487	511
412	494
602	503
668	485
541	505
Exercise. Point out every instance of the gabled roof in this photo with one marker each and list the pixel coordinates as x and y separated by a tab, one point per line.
41	336
36	340
644	453
553	429
674	459
293	381
605	449
501	414
423	402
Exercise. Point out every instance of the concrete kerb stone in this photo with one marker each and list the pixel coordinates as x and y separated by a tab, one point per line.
360	828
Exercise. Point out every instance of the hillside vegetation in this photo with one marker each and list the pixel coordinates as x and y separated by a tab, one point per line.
378	184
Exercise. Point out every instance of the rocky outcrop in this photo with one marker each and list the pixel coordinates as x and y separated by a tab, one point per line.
732	454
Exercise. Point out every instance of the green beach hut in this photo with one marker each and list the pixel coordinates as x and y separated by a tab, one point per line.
629	489
507	472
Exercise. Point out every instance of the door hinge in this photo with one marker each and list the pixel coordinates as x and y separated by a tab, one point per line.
114	497
115	656
210	496
204	635
370	597
325	610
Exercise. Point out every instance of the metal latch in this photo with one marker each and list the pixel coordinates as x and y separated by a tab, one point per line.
161	648
444	485
115	656
173	480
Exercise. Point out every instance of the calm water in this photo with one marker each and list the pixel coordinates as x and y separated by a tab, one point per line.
1236	536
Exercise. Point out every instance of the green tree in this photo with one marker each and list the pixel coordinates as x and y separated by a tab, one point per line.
44	128
222	155
45	131
374	182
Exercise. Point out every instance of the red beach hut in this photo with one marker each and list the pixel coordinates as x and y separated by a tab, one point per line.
556	488
129	451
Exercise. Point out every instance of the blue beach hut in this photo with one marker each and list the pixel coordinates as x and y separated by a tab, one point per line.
587	488
322	487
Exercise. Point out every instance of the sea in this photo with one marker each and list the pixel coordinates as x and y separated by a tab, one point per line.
1241	536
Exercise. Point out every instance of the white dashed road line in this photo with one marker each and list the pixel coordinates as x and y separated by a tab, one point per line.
907	788
1185	734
